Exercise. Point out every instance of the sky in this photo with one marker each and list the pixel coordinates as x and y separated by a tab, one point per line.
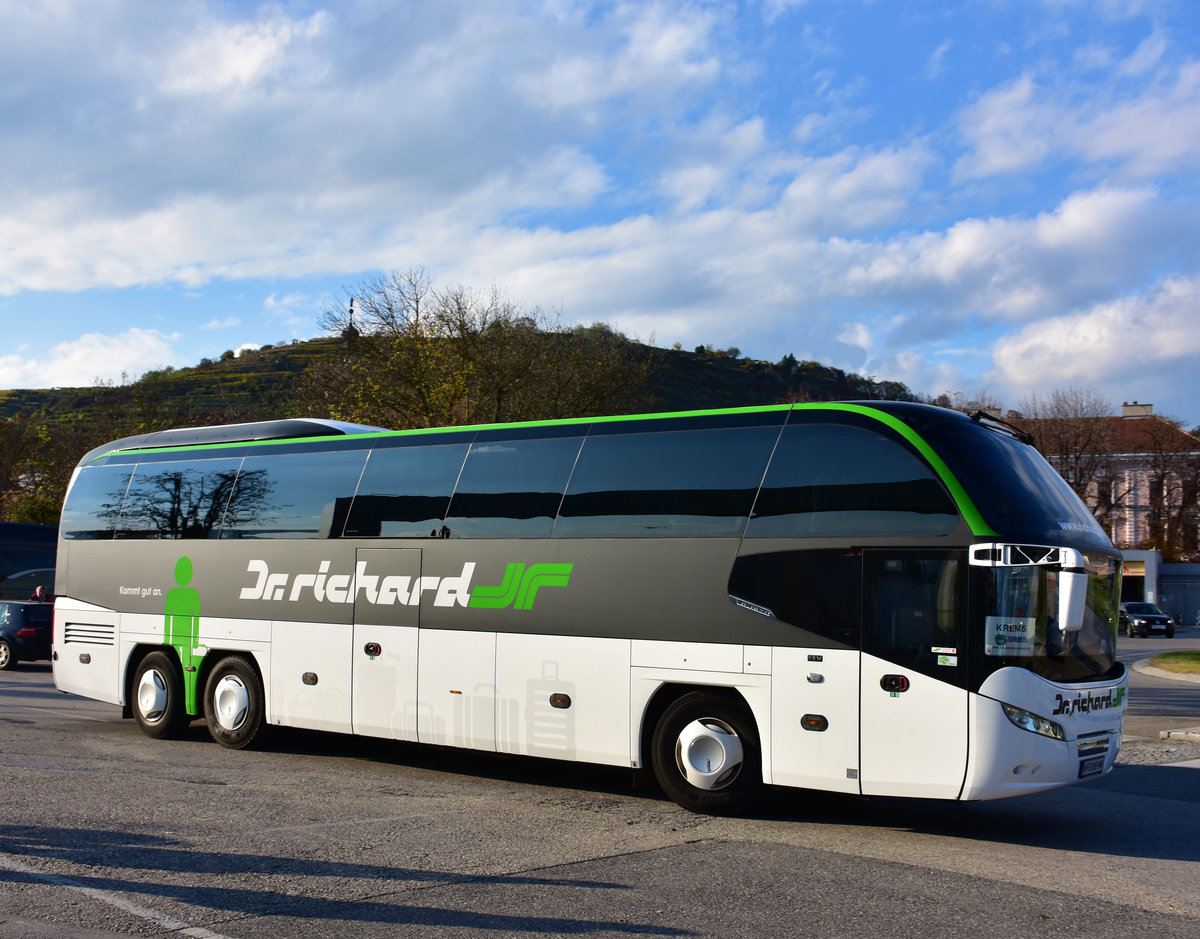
987	197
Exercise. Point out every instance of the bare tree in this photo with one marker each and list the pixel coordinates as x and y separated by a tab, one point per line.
1073	427
1172	488
416	357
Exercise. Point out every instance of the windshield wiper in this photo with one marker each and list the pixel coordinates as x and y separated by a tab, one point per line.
1024	436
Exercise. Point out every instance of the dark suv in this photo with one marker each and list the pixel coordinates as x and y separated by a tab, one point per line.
25	630
1142	619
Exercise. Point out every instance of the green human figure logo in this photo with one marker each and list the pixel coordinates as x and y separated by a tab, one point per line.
181	629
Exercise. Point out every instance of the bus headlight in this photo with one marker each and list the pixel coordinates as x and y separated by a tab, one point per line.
1033	723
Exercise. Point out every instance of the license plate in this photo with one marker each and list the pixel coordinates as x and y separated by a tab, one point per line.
1092	766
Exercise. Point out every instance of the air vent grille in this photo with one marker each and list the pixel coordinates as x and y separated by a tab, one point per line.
89	634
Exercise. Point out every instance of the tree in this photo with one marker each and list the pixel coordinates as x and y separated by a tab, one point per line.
416	357
1172	489
1073	427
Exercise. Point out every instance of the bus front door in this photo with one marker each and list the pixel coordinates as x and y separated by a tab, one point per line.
385	643
913	698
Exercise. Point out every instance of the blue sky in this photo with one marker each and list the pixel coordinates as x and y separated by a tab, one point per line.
987	197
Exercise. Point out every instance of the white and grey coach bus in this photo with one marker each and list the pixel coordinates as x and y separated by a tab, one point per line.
878	598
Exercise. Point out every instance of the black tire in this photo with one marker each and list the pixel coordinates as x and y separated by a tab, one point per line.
8	658
233	703
725	725
1170	634
157	698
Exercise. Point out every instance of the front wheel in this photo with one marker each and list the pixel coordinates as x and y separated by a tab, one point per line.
706	755
233	703
158	704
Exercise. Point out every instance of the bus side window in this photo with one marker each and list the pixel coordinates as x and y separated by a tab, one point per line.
681	484
94	503
834	480
405	491
290	496
511	488
177	498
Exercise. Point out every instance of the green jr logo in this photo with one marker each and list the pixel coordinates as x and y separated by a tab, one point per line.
520	586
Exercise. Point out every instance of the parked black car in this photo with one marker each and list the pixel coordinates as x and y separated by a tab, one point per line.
1142	619
25	630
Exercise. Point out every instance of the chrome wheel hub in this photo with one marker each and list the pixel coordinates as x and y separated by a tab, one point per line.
152	695
709	753
231	702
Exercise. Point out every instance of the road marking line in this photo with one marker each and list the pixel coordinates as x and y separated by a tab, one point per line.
113	899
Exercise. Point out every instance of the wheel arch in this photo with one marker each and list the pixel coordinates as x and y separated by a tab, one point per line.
669	692
212	658
133	662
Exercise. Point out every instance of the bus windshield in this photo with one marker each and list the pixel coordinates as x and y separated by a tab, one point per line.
1018	493
1020	628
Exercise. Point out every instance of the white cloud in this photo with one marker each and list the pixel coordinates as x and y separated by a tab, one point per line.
1092	244
79	362
1120	346
1142	132
229	57
1008	129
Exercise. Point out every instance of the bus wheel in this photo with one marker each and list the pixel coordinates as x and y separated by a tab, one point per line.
706	756
233	703
158	697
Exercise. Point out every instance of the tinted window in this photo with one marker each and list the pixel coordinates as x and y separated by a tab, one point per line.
511	488
831	480
682	484
94	502
291	495
816	590
182	499
1015	490
915	603
405	491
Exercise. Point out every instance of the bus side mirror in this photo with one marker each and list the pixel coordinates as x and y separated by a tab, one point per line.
1072	598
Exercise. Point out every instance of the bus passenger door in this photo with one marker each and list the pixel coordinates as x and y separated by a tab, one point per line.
385	642
913	691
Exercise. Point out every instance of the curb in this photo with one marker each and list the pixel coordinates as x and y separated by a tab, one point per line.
1187	733
1145	669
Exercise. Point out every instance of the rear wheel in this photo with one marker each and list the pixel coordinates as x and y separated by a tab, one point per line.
706	756
233	703
7	659
158	704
